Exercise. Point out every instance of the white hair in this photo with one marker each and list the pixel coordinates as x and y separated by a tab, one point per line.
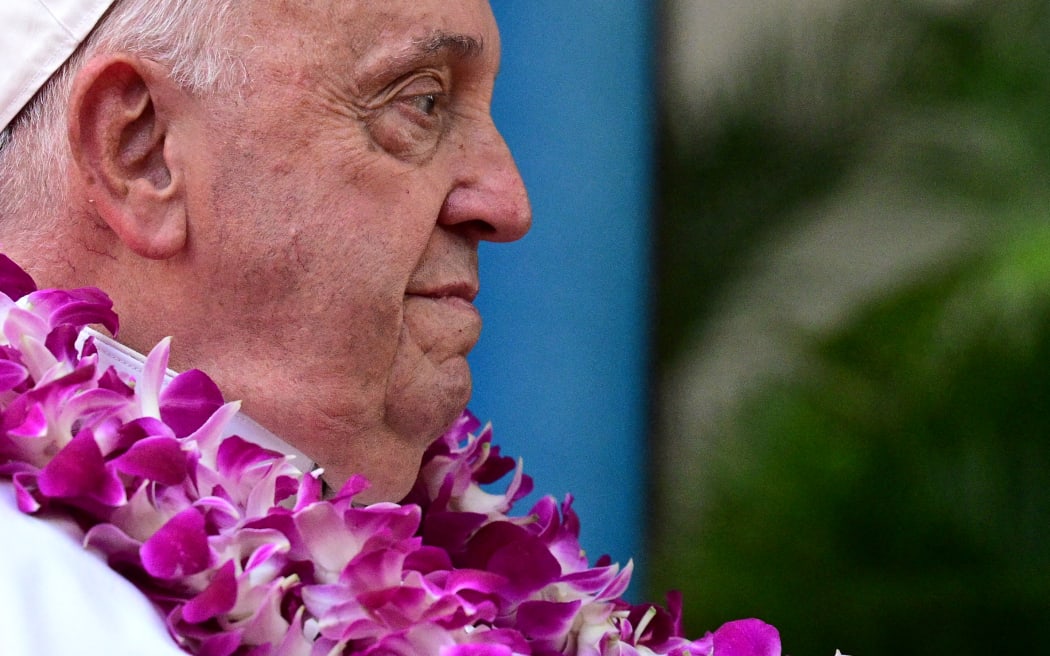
188	36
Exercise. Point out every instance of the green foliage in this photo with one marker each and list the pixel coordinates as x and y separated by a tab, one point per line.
895	500
893	497
954	104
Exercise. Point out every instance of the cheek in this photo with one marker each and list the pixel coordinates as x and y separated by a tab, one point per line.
332	232
424	392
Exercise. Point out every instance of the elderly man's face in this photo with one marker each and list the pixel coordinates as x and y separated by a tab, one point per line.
335	213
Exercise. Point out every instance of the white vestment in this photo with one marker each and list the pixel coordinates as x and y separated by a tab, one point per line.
56	598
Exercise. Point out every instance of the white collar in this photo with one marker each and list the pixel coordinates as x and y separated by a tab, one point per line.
130	362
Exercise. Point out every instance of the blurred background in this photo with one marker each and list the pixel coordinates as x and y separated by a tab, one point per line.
794	255
853	322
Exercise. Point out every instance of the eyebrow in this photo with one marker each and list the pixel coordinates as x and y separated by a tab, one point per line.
459	44
420	50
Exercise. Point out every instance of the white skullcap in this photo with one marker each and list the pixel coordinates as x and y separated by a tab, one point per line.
36	38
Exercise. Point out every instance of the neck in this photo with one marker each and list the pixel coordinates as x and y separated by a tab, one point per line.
112	353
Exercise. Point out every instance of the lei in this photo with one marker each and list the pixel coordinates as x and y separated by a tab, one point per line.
242	555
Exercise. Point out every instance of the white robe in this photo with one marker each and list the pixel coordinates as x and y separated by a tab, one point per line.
57	598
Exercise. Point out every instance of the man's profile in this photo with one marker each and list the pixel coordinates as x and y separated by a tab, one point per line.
293	190
301	216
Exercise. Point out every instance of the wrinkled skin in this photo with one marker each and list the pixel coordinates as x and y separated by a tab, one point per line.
334	209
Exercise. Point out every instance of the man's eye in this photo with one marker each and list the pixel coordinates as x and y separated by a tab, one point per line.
411	121
427	103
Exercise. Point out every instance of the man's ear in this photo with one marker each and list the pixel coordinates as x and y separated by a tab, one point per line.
120	135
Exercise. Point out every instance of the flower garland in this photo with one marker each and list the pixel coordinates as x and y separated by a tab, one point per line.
242	554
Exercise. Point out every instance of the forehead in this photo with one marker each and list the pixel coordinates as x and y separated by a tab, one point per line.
372	31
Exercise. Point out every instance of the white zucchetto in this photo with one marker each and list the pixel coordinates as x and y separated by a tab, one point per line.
36	38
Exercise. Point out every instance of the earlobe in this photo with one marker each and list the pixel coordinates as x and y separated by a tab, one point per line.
119	126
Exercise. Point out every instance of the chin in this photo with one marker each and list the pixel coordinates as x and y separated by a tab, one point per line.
391	470
392	457
419	414
389	490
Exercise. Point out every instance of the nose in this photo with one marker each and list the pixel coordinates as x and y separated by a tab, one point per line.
488	201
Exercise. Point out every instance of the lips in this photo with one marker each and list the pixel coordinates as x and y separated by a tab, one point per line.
443	321
452	306
452	302
462	290
453	297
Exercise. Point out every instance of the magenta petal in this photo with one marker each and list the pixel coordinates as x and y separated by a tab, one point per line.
355	485
674	609
481	649
507	549
188	400
159	459
110	379
619	584
659	629
61	341
474	583
465	424
218	598
25	418
179	548
78	470
749	637
376	570
310	491
236	456
140	429
76	307
118	546
384	521
494	468
451	530
595	580
546	620
24	482
509	638
395	607
220	644
14	282
428	559
12	374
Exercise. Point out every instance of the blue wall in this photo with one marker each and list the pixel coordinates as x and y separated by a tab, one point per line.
561	369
